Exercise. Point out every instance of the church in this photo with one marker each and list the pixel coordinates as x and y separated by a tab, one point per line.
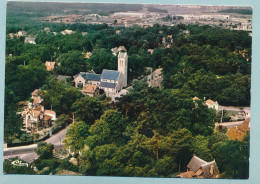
111	81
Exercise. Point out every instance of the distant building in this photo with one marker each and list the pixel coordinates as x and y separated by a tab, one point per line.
47	29
84	33
129	14
198	168
186	32
87	55
30	40
118	31
67	32
150	51
11	35
212	104
50	65
20	33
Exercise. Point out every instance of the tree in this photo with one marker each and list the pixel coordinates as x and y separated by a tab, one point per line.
232	158
88	109
76	136
63	120
13	123
108	129
72	63
44	150
101	59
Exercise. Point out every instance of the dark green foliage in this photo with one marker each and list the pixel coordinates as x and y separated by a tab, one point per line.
76	136
88	109
44	150
232	158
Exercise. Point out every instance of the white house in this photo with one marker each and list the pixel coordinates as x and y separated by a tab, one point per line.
30	40
213	105
67	32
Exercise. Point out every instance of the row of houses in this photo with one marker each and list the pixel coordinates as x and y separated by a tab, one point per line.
35	114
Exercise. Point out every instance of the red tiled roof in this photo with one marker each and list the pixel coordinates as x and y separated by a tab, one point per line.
210	102
34	93
49	65
195	98
49	112
46	117
36	113
89	89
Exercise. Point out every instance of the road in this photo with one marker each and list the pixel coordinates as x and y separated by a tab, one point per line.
230	124
27	152
233	108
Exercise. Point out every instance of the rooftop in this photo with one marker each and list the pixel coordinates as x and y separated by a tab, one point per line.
107	85
110	74
89	88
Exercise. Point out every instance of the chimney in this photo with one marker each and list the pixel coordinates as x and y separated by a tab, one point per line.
30	105
42	108
204	98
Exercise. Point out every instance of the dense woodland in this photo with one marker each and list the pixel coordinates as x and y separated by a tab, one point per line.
148	132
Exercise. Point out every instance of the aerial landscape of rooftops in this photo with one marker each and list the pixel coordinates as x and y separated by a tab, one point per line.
138	90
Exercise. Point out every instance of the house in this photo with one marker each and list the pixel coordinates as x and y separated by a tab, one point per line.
36	97
118	31
84	33
84	78
20	33
30	40
186	32
210	103
198	168
11	35
150	51
90	90
50	65
87	55
67	32
213	105
35	113
111	81
47	29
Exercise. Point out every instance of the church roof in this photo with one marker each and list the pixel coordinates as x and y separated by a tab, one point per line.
107	85
110	74
89	76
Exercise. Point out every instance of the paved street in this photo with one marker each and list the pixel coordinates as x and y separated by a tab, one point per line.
27	152
230	124
232	108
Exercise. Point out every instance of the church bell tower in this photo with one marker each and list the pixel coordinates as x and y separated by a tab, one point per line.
122	66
